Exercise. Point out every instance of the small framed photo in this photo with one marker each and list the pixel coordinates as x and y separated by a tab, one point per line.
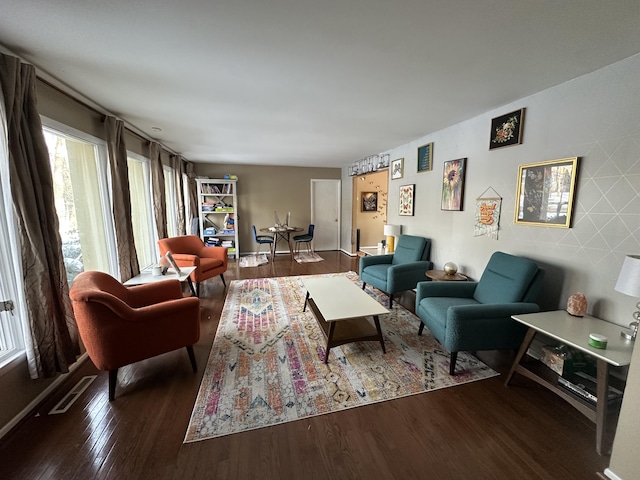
369	201
545	193
406	200
506	130
425	157
453	184
397	169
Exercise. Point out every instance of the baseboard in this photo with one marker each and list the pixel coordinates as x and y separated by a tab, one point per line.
15	421
609	474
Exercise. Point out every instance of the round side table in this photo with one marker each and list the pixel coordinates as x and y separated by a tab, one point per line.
440	276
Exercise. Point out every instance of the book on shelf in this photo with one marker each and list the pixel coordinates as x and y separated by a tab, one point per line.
584	386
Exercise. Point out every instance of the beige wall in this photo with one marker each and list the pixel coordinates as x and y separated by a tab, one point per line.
261	190
370	224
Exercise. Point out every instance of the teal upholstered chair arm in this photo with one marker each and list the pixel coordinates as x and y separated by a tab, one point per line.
405	276
374	260
467	313
485	326
445	289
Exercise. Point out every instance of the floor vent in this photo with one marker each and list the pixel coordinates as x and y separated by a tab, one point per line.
70	398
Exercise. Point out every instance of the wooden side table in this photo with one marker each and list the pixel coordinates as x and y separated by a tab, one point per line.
574	332
441	276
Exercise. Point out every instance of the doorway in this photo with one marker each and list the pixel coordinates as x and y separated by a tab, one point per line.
325	214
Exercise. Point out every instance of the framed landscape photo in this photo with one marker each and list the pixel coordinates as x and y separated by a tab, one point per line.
425	157
406	200
453	184
369	201
506	130
397	169
545	192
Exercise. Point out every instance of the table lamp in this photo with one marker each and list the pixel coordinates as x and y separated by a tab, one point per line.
391	232
629	284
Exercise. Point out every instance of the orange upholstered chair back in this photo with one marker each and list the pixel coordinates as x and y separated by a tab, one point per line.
121	325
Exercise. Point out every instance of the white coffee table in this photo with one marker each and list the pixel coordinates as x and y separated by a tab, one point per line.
145	276
341	309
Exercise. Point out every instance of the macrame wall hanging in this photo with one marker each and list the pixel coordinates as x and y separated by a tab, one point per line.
487	221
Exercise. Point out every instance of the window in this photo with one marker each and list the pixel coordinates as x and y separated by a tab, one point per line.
144	231
78	164
11	320
171	203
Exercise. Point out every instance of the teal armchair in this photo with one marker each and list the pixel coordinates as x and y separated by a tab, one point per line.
399	271
471	316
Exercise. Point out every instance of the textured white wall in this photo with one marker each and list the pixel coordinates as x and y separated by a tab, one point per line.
595	117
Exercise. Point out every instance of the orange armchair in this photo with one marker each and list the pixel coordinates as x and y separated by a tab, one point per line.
122	325
190	251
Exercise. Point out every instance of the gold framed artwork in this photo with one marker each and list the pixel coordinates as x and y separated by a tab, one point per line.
397	169
545	193
425	157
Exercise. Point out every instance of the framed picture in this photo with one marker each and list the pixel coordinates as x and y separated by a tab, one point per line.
453	184
545	192
406	200
397	169
506	130
369	201
170	263
425	157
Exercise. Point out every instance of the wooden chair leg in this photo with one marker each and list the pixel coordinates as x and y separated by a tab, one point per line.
391	300
452	364
223	282
421	328
113	379
192	358
363	285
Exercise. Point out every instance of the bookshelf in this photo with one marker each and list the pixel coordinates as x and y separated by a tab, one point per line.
217	209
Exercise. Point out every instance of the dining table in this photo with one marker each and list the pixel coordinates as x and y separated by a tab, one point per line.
282	233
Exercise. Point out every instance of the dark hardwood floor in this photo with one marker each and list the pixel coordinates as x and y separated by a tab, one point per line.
481	430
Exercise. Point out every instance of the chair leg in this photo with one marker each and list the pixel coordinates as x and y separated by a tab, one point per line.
421	328
113	379
198	289
192	358
223	282
363	285
452	364
391	300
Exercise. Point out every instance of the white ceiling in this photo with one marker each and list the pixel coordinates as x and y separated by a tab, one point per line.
311	82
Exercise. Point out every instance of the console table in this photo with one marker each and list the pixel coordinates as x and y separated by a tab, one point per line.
574	332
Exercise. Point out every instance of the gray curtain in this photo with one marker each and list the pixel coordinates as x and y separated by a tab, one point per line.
177	163
157	187
193	194
127	257
53	343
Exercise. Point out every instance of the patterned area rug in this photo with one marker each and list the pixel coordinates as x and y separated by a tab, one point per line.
266	364
253	260
306	257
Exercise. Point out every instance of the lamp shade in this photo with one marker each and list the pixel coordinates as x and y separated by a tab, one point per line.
629	278
391	230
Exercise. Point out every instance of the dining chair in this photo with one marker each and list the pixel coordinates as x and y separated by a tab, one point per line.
305	238
263	240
